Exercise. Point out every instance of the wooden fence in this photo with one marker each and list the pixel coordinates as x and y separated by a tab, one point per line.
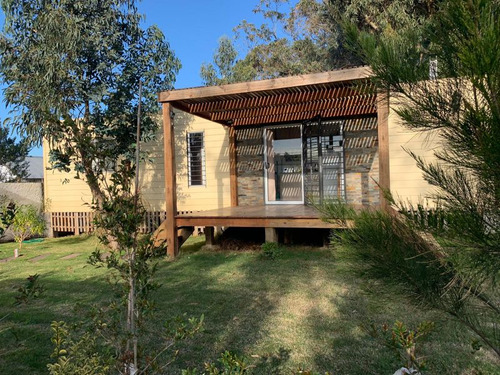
82	222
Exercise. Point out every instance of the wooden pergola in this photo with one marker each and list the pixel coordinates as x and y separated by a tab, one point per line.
340	94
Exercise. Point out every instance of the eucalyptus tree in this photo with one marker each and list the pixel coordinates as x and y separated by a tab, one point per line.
306	36
12	157
72	69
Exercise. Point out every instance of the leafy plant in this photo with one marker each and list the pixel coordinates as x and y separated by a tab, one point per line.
404	342
89	349
30	290
7	213
71	71
13	165
271	250
75	357
27	222
229	364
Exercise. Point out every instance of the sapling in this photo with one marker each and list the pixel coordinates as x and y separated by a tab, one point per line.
27	223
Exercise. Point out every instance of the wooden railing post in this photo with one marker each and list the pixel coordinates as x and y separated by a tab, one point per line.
76	222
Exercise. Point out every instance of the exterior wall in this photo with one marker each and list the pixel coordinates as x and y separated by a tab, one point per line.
361	161
250	166
23	192
216	192
407	183
64	193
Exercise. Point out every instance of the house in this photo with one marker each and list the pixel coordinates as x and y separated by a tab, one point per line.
255	154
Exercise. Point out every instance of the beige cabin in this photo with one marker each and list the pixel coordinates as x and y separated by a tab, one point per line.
256	154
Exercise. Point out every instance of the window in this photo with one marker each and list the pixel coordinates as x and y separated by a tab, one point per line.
196	159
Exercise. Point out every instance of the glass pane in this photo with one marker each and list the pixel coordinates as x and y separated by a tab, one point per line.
284	164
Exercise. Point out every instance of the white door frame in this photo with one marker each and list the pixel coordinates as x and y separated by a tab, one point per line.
266	196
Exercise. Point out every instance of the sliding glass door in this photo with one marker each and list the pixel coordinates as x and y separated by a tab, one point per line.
283	164
304	162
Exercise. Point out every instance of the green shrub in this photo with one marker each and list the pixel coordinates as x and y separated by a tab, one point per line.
28	222
404	342
271	250
229	364
30	290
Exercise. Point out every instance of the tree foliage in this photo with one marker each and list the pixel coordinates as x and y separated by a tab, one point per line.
72	70
462	109
307	36
12	157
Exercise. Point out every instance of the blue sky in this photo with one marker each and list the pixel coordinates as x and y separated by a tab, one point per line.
192	27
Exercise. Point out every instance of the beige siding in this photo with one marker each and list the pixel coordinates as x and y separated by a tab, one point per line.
407	181
65	193
216	191
62	191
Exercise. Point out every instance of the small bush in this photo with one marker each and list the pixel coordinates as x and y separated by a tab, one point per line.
271	250
229	364
30	290
28	222
404	342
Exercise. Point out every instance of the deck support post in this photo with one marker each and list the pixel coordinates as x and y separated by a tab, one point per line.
209	236
271	235
170	182
383	148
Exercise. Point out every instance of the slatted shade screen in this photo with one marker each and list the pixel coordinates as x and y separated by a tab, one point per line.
342	93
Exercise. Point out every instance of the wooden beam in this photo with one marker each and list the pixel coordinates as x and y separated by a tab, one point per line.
343	75
259	222
383	148
233	176
298	116
170	182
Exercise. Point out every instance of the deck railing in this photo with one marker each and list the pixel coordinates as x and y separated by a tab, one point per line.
82	222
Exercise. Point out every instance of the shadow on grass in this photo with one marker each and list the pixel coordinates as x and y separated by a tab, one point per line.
25	330
303	309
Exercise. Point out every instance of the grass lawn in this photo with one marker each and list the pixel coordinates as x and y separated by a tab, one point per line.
304	309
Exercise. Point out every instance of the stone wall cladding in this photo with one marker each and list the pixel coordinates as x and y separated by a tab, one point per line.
250	166
361	161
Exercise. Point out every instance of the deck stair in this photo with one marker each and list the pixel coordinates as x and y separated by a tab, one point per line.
183	233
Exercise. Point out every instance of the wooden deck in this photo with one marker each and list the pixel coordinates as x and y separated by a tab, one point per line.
269	216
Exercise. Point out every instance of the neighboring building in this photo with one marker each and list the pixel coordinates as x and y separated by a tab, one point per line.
256	153
34	170
27	191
